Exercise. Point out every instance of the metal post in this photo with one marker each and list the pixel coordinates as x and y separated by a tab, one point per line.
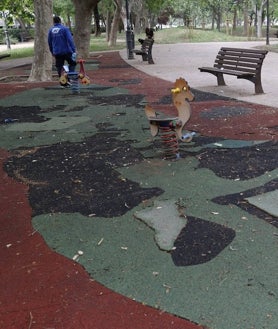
8	42
267	22
7	37
129	34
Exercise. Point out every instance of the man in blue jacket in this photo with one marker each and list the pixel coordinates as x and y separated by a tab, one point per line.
62	47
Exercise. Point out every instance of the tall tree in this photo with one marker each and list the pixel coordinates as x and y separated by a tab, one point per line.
83	20
115	23
139	16
97	21
42	63
260	6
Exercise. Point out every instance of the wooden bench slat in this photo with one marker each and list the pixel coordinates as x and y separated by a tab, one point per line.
244	50
241	54
238	66
255	63
227	71
241	59
240	62
236	70
235	63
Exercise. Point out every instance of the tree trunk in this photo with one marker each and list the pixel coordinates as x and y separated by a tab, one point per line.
246	18
21	23
218	20
69	22
115	23
260	9
83	19
139	13
137	27
97	22
234	20
212	20
42	63
259	21
108	25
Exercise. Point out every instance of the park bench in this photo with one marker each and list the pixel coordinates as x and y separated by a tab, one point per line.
4	56
242	63
146	50
24	36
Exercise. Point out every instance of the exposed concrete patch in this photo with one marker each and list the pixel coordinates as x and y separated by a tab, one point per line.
267	202
165	219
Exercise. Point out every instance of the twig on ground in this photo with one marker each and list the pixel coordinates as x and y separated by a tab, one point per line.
31	321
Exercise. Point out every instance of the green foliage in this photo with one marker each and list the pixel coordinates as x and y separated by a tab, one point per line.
15	35
14	9
188	10
64	9
155	6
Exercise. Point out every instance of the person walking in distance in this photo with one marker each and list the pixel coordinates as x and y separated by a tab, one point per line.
62	47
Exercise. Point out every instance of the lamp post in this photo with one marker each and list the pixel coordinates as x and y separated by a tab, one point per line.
267	22
129	34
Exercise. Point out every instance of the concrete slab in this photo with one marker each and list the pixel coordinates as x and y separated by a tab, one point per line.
165	219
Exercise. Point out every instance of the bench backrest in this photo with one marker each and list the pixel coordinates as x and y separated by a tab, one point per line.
147	45
243	60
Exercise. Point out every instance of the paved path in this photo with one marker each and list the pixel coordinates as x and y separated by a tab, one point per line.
19	45
173	61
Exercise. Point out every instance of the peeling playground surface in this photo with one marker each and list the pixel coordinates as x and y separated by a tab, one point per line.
196	237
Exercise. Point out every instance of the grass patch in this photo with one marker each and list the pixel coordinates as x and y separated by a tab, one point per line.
19	52
181	34
164	36
100	43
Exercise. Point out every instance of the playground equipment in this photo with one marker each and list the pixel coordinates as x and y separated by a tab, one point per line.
74	76
85	80
170	129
